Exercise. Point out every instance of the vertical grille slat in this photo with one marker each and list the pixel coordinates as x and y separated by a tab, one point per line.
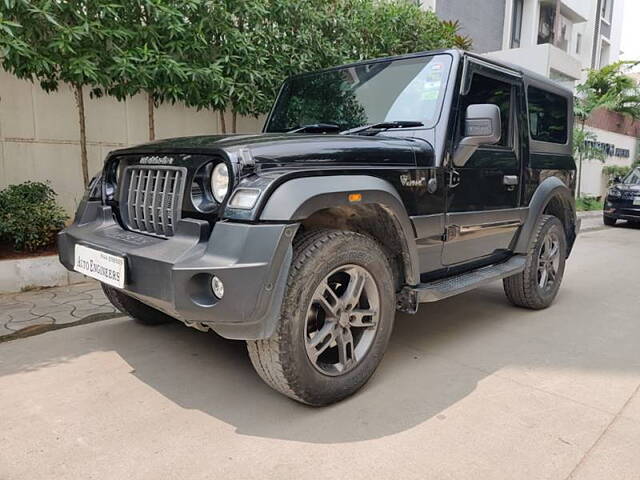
153	197
154	205
148	224
131	206
137	201
165	211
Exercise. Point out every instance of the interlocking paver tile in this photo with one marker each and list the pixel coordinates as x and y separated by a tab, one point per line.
15	326
59	305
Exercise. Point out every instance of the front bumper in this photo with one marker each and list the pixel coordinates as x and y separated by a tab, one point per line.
173	275
621	210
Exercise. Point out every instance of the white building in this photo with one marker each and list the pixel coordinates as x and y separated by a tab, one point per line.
559	39
555	38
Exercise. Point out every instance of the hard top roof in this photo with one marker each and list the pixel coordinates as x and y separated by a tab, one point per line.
528	75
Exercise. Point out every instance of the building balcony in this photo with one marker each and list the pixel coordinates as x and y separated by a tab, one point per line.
546	59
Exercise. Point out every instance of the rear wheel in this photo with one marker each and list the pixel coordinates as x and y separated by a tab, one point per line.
537	286
609	221
336	319
130	306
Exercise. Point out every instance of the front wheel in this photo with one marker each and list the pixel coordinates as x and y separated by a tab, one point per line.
609	221
336	319
537	286
140	312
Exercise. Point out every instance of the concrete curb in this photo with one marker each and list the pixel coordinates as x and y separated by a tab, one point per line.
21	274
590	214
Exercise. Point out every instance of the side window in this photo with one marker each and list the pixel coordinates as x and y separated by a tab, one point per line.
488	90
547	116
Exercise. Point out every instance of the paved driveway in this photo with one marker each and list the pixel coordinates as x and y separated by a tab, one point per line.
471	388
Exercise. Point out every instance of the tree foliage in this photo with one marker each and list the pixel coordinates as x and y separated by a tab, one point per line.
606	88
584	148
220	55
609	87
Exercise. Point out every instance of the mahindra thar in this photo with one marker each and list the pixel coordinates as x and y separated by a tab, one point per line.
374	187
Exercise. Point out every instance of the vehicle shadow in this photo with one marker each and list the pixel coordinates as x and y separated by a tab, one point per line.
435	360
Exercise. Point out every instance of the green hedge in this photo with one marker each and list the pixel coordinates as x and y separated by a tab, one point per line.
585	204
30	216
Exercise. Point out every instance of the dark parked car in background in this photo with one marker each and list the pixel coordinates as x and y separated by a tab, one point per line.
623	200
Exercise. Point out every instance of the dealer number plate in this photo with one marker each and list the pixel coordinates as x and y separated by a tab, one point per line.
636	200
102	266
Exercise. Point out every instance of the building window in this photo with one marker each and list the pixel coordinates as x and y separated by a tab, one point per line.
546	23
578	43
516	23
604	53
607	10
547	116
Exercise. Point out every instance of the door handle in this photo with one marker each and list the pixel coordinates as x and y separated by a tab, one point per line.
510	180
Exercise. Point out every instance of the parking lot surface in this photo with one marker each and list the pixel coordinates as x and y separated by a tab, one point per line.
471	388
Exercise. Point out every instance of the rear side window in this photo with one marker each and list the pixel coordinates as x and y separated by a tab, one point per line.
547	116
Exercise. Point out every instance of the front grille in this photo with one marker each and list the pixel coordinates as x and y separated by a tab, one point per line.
151	198
629	195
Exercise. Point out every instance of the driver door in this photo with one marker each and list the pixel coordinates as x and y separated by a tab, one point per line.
483	196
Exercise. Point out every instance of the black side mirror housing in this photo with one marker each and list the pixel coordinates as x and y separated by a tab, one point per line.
617	179
482	126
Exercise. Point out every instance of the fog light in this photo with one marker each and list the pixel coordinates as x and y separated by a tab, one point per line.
217	287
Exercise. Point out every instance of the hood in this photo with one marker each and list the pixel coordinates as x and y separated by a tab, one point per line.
626	187
277	150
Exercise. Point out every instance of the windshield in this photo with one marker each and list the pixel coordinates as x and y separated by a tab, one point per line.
633	178
399	90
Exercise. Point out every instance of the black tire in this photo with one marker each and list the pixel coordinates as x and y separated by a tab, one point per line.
524	289
609	221
140	312
282	361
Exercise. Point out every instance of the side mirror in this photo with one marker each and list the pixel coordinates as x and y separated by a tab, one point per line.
617	179
482	126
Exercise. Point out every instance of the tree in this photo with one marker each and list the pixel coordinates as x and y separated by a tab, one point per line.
163	55
62	42
262	42
607	88
584	148
219	55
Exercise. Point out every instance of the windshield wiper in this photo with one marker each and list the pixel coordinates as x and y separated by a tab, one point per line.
383	126
315	127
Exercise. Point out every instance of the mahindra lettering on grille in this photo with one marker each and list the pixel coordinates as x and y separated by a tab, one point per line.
151	198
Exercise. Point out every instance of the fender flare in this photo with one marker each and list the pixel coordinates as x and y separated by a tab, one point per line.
299	198
550	188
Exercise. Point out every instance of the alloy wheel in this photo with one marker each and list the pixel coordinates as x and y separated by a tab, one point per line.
342	320
549	261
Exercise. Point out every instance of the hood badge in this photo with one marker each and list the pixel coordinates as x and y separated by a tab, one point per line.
156	160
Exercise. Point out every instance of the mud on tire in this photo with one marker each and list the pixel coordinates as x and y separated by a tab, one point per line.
536	287
284	362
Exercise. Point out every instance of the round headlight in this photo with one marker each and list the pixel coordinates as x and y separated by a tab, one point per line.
220	181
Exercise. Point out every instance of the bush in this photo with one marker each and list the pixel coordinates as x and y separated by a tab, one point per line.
585	204
30	216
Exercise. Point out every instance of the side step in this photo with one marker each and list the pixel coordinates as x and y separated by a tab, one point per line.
410	297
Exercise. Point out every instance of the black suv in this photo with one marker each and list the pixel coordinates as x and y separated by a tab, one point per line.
623	199
375	186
